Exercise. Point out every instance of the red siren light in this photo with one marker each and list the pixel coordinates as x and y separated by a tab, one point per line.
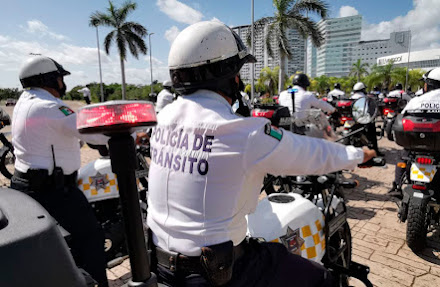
115	117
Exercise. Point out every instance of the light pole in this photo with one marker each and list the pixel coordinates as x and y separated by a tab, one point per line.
407	66
99	61
252	52
151	64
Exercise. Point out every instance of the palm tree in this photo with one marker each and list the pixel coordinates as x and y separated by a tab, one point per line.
382	74
359	70
289	14
269	78
125	33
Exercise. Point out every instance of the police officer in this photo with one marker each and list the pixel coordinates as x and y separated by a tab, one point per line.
46	146
304	100
398	92
336	93
165	96
428	102
360	91
207	167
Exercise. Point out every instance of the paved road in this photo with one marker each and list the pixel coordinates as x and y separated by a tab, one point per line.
378	236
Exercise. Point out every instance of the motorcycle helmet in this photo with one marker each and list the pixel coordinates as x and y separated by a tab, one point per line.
167	84
337	86
398	87
301	80
40	71
432	79
207	55
359	87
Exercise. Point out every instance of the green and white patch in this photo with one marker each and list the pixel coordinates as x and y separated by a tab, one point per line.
273	132
66	110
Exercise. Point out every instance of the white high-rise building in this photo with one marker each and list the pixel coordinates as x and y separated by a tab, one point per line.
336	56
370	51
291	66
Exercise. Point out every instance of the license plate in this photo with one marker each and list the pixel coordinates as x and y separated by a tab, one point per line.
349	124
423	172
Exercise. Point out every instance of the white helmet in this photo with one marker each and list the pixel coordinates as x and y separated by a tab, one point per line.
359	86
207	55
40	71
167	84
432	78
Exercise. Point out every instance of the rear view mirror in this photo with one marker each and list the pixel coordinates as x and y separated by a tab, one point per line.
364	110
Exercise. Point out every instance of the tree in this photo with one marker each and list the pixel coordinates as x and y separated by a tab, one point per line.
382	74
289	14
269	78
125	33
359	70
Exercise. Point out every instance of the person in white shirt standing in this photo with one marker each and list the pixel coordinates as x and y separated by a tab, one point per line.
304	100
207	167
86	94
46	146
165	96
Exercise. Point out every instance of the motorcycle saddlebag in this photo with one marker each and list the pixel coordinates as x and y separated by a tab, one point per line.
32	250
417	133
279	116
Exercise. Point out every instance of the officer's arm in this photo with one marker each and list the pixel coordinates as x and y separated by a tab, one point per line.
281	152
320	104
63	120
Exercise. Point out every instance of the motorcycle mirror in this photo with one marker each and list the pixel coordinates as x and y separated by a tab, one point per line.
364	110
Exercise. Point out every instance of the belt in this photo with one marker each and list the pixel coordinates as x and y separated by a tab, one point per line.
189	264
69	180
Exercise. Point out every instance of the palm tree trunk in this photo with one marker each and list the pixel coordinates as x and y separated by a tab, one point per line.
281	74
123	77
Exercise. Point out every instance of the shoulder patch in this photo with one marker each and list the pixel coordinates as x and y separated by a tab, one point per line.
273	131
66	110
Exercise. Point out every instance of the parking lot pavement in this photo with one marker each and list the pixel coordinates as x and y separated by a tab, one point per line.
378	236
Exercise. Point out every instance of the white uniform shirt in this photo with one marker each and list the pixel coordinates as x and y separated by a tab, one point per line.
428	102
335	94
208	165
85	91
164	98
304	100
399	94
357	95
41	120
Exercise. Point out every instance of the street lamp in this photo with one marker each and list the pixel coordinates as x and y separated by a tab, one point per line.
252	52
99	61
407	66
151	64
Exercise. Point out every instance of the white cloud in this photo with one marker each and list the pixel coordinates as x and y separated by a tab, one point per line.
216	20
37	27
422	20
179	11
171	34
346	11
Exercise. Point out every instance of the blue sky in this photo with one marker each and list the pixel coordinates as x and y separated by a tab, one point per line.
60	29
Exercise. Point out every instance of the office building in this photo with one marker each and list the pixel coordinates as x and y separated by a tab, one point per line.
426	59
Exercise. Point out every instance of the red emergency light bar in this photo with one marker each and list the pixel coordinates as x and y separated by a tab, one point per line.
410	126
341	104
424	160
115	117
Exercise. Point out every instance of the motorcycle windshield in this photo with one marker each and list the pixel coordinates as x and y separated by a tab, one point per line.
313	123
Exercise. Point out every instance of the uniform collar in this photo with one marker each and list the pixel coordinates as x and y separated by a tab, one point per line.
211	95
43	93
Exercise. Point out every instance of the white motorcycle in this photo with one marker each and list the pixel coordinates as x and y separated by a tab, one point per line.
308	214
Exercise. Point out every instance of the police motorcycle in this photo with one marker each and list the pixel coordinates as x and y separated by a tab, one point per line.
30	226
343	115
420	205
7	157
100	186
308	214
390	107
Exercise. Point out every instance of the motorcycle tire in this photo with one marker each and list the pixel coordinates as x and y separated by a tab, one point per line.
388	131
336	241
417	226
7	161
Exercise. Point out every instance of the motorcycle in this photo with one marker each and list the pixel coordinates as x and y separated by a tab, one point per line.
390	107
100	186
419	206
308	213
7	157
343	114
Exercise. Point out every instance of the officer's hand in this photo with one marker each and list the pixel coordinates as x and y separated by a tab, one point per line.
368	154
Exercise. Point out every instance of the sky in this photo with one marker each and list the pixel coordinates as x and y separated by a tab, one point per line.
60	29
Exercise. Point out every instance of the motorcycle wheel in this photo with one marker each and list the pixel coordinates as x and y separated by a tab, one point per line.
337	241
417	225
388	130
7	161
